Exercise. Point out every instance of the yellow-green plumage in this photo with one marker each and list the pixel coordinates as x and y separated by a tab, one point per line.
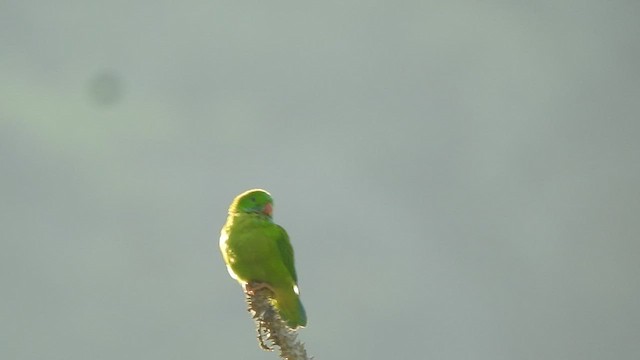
258	251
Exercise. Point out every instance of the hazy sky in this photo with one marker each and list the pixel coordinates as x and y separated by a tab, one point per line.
459	179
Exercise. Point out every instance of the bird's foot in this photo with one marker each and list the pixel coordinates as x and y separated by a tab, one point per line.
251	287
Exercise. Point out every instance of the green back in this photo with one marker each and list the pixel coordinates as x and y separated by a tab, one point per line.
286	252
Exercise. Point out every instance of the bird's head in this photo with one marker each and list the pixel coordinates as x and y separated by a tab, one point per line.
254	201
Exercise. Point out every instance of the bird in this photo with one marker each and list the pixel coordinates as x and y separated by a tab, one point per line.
258	254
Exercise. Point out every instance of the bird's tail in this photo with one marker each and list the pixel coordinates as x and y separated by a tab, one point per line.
290	308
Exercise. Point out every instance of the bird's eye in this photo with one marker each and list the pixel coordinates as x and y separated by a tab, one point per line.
253	199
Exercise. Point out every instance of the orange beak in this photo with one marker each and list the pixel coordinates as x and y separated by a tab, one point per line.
268	209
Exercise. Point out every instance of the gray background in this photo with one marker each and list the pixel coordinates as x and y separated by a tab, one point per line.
459	179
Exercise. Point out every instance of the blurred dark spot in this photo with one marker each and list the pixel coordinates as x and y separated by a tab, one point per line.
105	88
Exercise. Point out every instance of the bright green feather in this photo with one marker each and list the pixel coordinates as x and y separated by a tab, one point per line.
256	250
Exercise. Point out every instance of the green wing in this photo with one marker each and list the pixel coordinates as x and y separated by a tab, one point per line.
286	252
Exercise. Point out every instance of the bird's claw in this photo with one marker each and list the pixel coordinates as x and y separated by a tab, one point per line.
252	287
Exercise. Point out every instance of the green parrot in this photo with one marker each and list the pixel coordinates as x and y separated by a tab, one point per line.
258	253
